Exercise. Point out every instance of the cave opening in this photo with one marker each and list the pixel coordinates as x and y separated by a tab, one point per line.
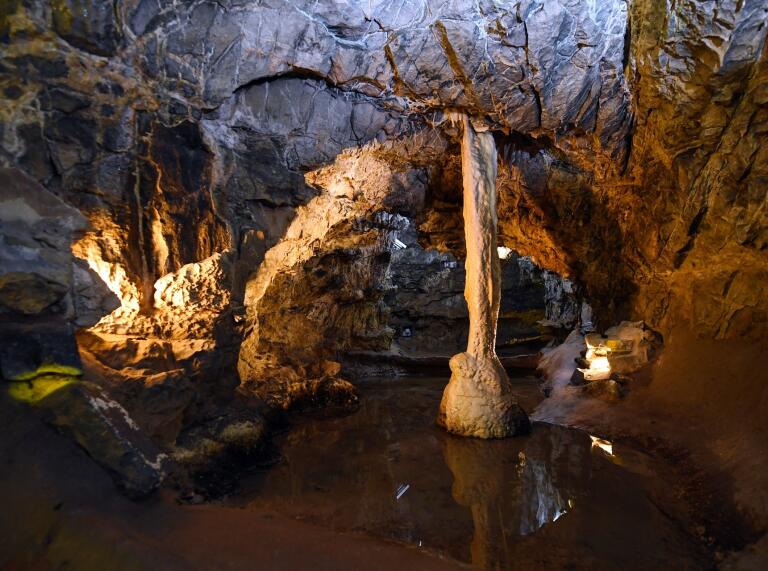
366	285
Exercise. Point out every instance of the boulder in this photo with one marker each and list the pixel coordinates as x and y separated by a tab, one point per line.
93	299
29	350
42	289
159	403
577	378
630	349
212	453
106	432
607	390
36	230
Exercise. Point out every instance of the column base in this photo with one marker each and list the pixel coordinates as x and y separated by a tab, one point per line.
478	400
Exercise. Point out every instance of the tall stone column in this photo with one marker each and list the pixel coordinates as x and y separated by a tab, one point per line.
478	400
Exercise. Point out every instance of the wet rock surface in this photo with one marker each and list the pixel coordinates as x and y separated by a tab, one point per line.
107	433
234	116
191	137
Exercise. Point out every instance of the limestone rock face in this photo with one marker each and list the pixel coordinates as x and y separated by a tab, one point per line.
675	234
122	110
35	260
631	161
88	24
43	288
327	278
496	60
129	111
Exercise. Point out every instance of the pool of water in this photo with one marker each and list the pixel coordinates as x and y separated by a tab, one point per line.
553	500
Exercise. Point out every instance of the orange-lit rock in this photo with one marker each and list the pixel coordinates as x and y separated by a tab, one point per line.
246	168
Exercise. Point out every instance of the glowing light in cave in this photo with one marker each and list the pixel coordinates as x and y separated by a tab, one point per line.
597	357
599	368
114	277
603	444
504	252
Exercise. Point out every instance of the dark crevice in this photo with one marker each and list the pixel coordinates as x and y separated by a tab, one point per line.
627	44
303	74
696	222
693	228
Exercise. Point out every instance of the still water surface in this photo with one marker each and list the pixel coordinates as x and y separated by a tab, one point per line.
551	500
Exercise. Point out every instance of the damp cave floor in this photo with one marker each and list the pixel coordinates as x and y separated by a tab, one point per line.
550	500
381	488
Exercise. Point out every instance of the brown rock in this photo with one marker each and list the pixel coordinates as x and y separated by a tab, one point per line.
608	390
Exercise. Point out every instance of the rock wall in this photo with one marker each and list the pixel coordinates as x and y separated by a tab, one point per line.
44	290
699	159
428	312
677	233
123	110
205	140
185	131
319	291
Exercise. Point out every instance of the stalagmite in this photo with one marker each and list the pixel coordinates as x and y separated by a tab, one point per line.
478	400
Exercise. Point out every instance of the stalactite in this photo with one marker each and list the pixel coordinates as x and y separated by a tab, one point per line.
478	400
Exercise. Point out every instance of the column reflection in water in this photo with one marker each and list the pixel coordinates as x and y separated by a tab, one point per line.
508	495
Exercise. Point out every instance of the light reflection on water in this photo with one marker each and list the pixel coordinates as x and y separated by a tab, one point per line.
545	500
542	496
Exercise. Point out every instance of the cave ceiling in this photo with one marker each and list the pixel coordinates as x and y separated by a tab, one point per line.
629	135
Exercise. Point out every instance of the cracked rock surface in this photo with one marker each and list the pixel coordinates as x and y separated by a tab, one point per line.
194	135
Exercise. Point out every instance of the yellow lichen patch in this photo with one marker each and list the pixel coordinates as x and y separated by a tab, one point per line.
34	390
199	454
49	369
243	434
62	15
7	8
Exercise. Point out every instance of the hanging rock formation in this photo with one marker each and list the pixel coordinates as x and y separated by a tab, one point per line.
632	162
478	400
